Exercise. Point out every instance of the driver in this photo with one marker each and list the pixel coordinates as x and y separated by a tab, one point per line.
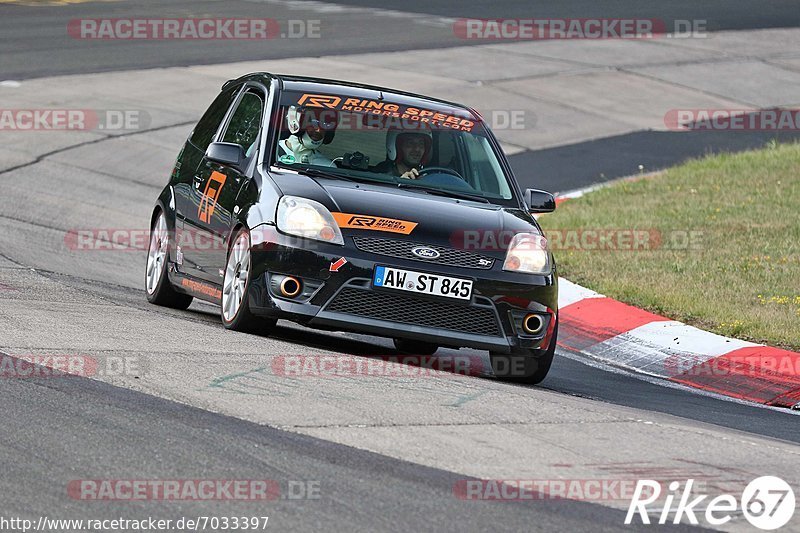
310	129
406	153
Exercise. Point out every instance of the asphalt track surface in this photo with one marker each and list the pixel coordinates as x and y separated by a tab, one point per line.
575	166
35	43
59	430
363	491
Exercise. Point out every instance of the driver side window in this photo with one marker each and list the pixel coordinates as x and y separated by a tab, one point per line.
205	130
245	123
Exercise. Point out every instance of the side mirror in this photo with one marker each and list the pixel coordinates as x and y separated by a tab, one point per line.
539	201
230	154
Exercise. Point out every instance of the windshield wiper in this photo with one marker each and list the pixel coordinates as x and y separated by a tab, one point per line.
321	173
318	173
443	192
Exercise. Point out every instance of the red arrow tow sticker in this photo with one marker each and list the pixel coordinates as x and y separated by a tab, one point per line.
339	263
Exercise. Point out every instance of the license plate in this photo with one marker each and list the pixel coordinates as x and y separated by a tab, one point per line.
422	283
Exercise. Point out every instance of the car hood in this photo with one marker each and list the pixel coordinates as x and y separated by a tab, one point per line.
439	220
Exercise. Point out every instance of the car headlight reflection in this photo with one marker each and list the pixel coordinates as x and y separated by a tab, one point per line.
528	253
306	218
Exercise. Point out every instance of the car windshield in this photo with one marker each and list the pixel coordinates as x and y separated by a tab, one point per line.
383	142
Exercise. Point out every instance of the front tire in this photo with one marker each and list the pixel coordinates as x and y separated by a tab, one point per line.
235	301
524	368
156	281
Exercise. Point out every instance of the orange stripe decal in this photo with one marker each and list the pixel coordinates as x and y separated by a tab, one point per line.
209	200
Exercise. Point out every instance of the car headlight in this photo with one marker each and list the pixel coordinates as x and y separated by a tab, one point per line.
528	253
306	218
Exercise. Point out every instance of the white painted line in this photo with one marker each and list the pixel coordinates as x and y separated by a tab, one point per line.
577	193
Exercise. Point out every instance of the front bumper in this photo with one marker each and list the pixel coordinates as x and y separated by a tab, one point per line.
345	300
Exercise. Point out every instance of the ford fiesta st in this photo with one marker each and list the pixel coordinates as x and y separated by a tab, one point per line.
357	208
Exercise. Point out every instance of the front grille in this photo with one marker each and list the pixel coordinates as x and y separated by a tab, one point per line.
402	249
420	312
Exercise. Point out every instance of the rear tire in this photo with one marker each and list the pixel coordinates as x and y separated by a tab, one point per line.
413	347
524	368
156	280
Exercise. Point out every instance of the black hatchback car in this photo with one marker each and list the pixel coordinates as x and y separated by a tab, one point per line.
350	207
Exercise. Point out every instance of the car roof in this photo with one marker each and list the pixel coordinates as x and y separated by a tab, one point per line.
349	88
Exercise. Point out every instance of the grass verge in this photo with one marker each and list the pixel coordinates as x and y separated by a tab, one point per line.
714	242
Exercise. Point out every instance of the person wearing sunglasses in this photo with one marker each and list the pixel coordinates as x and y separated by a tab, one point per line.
309	129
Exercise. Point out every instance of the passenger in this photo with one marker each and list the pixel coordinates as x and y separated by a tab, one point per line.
406	153
310	129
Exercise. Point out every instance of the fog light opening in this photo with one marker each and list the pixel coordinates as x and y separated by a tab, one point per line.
533	324
290	287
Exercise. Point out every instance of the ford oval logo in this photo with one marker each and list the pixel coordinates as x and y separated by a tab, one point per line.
425	252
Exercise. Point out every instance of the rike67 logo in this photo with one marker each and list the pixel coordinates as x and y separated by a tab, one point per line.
767	502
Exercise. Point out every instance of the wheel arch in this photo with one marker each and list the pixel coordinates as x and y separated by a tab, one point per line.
237	225
165	203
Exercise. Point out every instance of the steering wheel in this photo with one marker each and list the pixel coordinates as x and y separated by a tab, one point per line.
442	170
